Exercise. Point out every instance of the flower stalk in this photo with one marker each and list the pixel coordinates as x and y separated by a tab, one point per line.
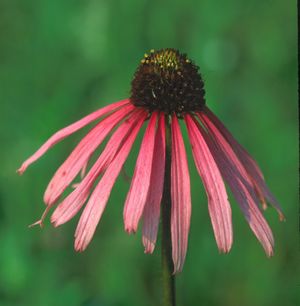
168	278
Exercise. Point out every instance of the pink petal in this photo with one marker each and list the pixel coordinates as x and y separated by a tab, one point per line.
181	197
137	195
97	202
253	215
227	149
248	162
75	200
65	132
81	154
152	208
247	203
233	173
218	205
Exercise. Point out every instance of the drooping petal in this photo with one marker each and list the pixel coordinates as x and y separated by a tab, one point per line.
253	215
67	131
228	150
137	195
81	154
97	202
248	162
75	200
231	171
218	205
152	208
247	203
181	197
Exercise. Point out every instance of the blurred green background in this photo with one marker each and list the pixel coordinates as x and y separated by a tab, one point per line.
60	60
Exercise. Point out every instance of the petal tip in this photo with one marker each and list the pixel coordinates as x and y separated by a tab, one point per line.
281	217
177	270
224	250
148	251
130	230
54	219
48	198
21	170
55	223
149	246
79	247
227	249
57	220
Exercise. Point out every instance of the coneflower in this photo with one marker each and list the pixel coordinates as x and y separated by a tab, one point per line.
167	87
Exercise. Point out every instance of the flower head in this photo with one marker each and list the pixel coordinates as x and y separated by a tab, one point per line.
167	81
167	87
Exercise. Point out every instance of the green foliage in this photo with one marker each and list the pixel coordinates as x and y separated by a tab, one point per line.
60	60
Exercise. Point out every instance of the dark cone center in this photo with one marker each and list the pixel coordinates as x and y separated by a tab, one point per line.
168	81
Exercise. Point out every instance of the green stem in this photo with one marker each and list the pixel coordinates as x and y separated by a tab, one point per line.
168	279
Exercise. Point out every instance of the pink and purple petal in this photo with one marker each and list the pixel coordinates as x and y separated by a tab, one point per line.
81	154
181	197
97	202
137	195
248	162
75	200
218	205
234	174
152	208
